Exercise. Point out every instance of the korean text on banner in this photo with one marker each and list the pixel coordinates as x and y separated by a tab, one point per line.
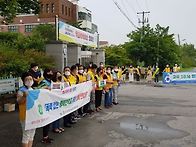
179	77
44	106
74	35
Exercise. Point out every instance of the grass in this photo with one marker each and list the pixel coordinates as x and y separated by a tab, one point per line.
187	69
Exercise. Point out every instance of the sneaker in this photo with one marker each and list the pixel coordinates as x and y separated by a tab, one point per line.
47	140
77	118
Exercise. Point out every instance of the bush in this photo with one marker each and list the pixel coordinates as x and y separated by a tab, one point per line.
12	61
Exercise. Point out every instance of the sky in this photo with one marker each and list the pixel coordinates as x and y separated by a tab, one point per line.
114	27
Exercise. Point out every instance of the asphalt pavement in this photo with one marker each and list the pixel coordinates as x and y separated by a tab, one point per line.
146	116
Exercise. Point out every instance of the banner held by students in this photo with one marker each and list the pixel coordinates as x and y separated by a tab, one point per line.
45	106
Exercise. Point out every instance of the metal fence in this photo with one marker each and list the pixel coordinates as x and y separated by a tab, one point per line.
9	84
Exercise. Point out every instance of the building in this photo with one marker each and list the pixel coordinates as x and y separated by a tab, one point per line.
103	44
68	11
24	23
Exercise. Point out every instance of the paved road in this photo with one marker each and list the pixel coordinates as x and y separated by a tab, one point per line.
146	117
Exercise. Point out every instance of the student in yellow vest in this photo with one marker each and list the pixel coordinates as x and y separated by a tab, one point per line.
68	121
176	68
138	73
27	135
82	78
115	75
99	89
91	76
108	88
156	74
131	73
167	68
123	68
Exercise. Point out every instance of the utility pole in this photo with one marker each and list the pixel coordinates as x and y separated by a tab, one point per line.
144	20
179	43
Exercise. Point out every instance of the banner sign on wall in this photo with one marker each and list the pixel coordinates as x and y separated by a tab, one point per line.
45	106
71	34
179	77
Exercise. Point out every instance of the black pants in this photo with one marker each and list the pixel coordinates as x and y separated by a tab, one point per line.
137	77
86	108
46	130
67	119
98	98
156	80
80	111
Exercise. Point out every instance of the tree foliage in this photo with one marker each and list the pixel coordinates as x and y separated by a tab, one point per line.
18	51
188	55
10	8
156	45
116	55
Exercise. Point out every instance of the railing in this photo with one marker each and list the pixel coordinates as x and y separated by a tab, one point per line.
9	84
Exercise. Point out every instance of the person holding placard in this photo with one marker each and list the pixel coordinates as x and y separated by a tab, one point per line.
100	83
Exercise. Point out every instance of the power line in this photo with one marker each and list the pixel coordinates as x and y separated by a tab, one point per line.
146	3
133	9
144	20
118	6
138	5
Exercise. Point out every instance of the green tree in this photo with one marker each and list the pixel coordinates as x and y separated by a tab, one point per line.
154	46
188	55
116	55
45	31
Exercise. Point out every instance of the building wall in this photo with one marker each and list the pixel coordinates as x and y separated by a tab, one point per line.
63	8
74	54
49	9
56	50
98	55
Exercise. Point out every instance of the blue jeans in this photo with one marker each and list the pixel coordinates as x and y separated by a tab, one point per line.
56	124
108	98
111	96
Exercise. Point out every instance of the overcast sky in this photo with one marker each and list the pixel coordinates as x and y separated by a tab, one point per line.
113	26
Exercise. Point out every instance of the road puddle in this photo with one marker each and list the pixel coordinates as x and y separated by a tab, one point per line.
148	129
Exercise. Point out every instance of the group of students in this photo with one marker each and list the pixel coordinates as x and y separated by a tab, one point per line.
137	73
73	75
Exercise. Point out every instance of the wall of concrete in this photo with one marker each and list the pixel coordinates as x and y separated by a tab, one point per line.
98	55
56	50
74	54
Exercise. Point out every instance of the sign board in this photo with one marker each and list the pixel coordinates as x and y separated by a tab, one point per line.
45	106
101	83
179	77
7	85
72	34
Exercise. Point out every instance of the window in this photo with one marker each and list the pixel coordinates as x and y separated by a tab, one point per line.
82	16
69	12
29	28
66	10
42	8
13	28
63	9
47	8
52	8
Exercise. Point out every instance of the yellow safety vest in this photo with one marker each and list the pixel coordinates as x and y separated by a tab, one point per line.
82	78
97	82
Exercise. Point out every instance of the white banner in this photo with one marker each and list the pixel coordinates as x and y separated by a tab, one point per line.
45	106
74	35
